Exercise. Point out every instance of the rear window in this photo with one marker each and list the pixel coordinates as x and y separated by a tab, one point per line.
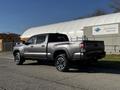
58	38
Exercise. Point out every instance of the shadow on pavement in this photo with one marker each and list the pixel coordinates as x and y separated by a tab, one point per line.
48	63
112	67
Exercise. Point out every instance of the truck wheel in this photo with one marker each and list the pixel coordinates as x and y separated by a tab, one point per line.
18	59
61	63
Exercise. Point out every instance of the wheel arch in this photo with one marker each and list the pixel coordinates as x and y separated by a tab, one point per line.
58	52
15	51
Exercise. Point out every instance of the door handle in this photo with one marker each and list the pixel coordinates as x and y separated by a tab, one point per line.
43	46
31	46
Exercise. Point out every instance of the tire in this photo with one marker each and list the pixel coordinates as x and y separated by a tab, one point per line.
61	63
18	59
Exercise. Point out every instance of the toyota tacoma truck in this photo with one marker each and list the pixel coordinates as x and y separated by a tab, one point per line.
57	47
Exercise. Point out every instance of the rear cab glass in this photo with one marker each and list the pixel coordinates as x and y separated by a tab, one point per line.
57	38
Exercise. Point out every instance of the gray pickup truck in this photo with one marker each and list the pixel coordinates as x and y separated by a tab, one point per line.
57	47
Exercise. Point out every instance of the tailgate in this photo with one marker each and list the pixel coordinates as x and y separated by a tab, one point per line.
94	45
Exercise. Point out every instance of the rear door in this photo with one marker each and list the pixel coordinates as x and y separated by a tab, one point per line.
40	47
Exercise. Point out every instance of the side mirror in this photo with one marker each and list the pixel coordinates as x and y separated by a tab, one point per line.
27	43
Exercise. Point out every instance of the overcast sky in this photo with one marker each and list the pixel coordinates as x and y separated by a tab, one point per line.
19	15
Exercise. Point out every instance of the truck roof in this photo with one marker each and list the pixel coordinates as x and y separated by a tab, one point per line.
50	33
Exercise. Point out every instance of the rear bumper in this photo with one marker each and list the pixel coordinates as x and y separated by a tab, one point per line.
89	55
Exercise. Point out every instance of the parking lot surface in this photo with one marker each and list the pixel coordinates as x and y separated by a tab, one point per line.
44	76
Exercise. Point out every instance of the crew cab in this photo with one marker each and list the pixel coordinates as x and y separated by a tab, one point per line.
58	48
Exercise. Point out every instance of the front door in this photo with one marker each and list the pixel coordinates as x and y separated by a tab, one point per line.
37	47
29	48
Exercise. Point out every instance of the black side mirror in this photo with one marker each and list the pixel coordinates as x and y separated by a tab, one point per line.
27	43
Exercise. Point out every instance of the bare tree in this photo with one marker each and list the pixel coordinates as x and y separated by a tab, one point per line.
115	5
97	12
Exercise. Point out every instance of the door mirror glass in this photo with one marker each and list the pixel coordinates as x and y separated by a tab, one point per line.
27	43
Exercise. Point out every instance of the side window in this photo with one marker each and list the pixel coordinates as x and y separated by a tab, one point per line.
40	39
32	40
58	38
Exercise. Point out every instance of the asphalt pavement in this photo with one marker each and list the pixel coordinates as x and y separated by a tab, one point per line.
44	76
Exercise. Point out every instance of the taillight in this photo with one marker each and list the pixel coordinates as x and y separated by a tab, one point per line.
82	45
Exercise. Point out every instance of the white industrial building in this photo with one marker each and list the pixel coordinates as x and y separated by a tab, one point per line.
94	27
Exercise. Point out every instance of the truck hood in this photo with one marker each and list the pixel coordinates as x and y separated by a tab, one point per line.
18	46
